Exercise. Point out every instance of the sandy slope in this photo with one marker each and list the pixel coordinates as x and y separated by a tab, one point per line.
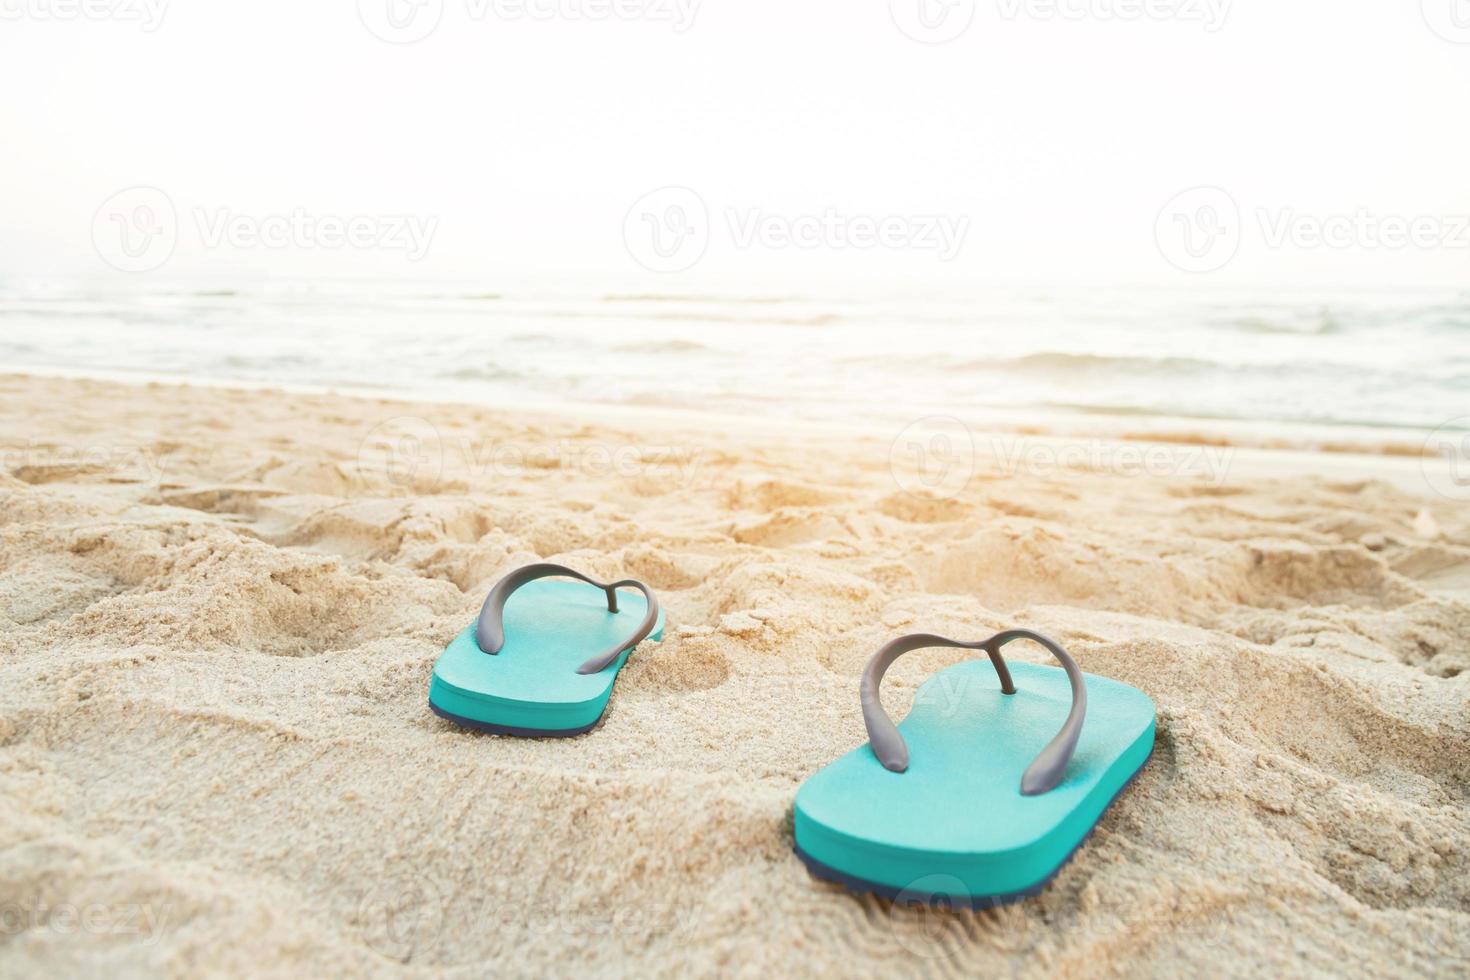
219	609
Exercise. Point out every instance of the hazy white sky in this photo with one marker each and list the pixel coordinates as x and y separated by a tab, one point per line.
1044	142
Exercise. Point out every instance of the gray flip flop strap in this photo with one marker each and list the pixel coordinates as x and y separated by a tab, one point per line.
1044	772
490	627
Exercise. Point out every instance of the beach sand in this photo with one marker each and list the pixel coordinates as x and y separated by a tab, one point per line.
219	610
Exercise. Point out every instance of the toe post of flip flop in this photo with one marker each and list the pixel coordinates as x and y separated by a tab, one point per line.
542	656
985	790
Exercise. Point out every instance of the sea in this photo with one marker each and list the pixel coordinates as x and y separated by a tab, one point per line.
1301	367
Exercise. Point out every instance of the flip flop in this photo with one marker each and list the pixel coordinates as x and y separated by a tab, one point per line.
978	818
542	656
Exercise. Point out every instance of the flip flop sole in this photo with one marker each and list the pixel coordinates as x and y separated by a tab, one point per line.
974	902
532	686
490	729
955	824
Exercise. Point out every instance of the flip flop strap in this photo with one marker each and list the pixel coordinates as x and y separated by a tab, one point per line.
490	627
1044	772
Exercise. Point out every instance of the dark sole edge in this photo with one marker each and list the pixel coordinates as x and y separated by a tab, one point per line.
973	902
490	729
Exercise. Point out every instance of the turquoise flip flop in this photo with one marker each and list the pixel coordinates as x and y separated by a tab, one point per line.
954	804
542	657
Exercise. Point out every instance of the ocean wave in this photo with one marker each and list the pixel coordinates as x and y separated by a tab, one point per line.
1133	411
814	320
67	311
696	298
1068	362
488	372
670	346
684	316
1320	323
539	339
264	362
1448	317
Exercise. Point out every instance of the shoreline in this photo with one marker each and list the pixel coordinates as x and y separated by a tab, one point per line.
1193	454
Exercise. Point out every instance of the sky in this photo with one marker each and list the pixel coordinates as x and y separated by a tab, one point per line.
678	144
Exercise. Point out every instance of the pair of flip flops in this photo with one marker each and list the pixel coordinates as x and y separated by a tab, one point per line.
953	804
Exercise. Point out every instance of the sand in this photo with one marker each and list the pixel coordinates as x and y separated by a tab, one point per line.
219	610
